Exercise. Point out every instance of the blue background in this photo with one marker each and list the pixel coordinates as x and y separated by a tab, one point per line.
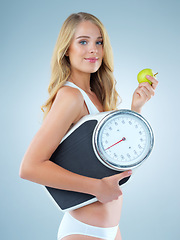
143	34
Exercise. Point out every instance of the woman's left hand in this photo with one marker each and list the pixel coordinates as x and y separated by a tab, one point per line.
143	93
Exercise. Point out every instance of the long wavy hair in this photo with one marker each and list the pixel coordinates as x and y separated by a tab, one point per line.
102	82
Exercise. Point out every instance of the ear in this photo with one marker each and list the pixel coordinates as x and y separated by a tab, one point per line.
67	53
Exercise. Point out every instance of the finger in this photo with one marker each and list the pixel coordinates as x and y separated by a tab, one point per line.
141	92
153	80
122	175
148	87
146	92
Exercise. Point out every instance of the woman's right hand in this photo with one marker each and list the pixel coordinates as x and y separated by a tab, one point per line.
108	188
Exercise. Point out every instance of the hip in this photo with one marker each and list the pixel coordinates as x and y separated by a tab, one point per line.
99	214
71	228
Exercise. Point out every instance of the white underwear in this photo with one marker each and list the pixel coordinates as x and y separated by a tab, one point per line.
70	225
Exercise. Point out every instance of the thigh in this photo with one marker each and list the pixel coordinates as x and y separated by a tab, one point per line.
80	237
118	236
83	237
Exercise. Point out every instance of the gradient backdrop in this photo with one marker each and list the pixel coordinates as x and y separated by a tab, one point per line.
143	34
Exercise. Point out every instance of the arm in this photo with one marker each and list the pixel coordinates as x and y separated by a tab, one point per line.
66	109
143	93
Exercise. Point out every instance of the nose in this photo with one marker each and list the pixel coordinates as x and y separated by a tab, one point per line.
93	48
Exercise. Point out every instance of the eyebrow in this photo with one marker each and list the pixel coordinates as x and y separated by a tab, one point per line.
87	37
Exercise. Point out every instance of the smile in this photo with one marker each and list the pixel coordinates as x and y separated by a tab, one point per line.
92	60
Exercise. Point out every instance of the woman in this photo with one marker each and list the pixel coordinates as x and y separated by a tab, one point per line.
82	83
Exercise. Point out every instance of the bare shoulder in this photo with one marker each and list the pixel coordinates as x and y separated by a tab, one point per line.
68	104
69	94
67	109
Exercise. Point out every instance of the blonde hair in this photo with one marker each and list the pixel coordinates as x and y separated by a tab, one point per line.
102	82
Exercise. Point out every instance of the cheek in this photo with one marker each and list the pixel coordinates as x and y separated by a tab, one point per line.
76	51
76	56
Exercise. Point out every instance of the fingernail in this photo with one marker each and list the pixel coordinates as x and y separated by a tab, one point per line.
148	76
130	171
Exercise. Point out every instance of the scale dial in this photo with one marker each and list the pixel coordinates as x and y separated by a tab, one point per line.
123	140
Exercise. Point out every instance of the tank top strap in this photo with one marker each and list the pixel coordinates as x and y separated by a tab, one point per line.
90	105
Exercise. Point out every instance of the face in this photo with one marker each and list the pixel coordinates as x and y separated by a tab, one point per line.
86	50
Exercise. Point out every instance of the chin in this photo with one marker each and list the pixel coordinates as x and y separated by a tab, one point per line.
93	70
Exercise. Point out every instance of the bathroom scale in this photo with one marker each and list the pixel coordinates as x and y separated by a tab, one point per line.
99	146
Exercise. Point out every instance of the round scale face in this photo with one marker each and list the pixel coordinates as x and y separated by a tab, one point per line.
123	140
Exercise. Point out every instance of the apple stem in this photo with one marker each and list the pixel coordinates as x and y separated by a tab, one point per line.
155	74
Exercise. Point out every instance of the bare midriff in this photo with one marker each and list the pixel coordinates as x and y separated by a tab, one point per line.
99	214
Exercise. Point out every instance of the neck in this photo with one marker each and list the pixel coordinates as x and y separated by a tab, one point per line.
82	80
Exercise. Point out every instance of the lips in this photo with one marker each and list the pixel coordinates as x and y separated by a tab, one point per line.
92	59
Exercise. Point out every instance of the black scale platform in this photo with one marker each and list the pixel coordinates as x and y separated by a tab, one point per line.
76	154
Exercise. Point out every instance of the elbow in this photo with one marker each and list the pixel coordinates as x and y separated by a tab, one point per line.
25	171
22	174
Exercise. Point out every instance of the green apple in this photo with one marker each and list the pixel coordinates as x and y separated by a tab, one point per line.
141	77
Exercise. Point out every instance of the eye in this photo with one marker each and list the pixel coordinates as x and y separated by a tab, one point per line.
99	42
83	42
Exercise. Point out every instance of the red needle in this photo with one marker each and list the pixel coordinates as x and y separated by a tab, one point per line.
123	139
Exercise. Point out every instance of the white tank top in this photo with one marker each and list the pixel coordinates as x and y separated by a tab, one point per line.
90	105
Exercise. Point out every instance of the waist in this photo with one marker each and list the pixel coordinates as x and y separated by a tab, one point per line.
99	214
